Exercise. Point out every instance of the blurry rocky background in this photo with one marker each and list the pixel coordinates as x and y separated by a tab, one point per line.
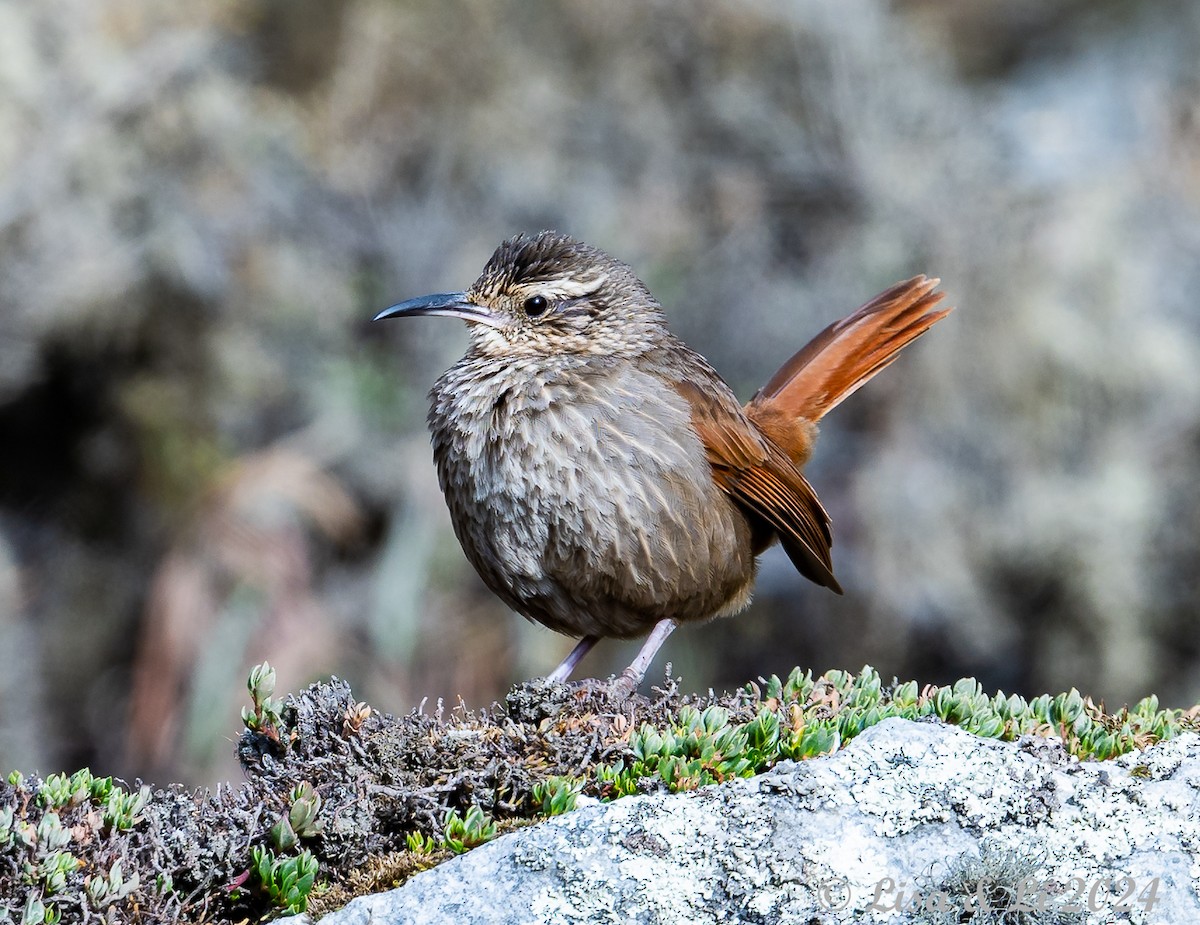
208	457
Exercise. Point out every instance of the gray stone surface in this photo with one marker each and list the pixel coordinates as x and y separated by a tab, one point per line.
817	842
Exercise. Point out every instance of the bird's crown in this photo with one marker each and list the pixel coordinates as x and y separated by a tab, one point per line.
558	293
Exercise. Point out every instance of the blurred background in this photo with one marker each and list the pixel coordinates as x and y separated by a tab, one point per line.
209	457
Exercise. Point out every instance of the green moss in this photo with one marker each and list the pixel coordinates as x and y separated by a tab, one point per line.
327	776
802	717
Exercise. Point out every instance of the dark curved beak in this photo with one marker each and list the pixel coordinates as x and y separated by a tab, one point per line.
451	304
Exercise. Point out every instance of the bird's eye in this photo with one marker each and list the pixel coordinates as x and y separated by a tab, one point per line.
536	305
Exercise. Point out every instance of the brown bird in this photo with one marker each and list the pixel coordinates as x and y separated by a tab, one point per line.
601	476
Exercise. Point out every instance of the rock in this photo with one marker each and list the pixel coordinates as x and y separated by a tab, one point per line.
909	815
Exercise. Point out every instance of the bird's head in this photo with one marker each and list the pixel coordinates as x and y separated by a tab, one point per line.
550	295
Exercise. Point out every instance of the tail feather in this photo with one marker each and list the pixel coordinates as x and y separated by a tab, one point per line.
844	356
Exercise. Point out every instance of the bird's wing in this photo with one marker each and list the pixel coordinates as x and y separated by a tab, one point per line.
762	480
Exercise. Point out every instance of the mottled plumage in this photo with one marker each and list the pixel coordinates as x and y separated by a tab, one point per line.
582	495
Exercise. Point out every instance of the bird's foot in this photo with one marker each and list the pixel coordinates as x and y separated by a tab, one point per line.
550	695
618	688
541	698
625	685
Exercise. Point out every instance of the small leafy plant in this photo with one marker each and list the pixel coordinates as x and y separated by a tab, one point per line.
556	795
460	833
265	716
105	889
286	881
301	820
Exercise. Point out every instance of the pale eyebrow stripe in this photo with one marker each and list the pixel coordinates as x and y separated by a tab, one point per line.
570	287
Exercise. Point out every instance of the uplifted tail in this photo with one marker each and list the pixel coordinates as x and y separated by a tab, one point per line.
849	352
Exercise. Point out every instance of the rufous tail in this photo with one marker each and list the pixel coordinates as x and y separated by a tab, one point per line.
844	356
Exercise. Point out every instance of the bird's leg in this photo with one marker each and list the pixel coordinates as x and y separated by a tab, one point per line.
563	671
632	676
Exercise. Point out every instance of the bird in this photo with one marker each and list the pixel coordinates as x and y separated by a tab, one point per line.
601	476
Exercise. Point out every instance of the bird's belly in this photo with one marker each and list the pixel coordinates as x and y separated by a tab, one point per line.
593	516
